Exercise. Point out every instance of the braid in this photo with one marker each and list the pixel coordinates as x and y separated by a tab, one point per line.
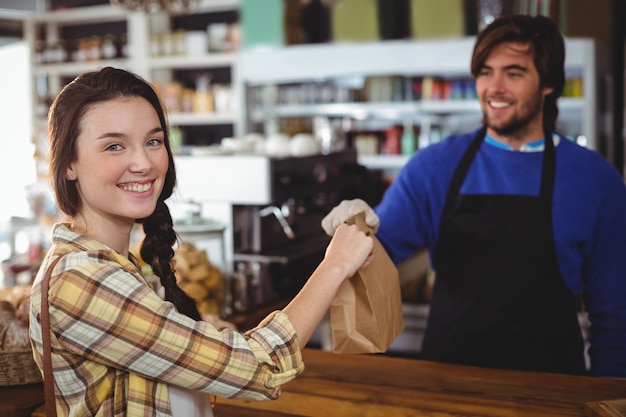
157	250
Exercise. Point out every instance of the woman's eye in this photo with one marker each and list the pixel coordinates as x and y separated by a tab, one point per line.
155	142
114	147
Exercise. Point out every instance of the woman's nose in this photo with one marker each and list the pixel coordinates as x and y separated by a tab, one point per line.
140	161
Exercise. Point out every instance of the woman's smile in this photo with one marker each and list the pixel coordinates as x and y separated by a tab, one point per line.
137	187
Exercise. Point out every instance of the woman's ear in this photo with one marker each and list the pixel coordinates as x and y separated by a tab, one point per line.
70	174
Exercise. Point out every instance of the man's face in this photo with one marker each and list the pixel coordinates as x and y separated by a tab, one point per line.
508	87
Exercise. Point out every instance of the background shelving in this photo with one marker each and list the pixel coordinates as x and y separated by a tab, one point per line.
262	74
244	71
134	33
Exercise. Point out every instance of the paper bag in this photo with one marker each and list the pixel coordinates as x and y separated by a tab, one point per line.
366	314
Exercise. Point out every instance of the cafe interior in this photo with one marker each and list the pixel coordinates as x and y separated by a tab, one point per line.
277	111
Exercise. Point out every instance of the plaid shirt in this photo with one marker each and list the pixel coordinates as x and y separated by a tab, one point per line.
116	345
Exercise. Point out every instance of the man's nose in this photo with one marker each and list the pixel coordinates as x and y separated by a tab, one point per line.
496	81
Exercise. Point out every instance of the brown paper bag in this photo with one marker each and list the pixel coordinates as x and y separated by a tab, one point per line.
366	314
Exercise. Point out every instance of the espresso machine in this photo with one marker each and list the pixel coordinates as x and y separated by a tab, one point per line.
278	243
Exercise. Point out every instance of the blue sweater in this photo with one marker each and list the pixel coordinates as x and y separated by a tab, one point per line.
589	221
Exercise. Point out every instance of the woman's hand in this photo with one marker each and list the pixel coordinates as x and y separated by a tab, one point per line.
350	249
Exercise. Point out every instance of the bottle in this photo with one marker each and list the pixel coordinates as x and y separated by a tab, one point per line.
109	50
424	137
203	97
392	141
408	138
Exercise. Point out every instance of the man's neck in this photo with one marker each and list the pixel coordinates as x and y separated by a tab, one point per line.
516	141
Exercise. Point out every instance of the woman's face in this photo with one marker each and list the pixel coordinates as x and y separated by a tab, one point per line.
121	161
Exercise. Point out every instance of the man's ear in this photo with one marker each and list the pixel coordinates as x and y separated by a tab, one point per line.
546	91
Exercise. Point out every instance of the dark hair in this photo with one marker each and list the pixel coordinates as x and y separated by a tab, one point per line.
66	112
546	46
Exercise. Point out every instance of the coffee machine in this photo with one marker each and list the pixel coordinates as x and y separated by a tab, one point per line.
278	242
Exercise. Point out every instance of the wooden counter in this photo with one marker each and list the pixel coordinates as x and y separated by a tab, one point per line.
377	385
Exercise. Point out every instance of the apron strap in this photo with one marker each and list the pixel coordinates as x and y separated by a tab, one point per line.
466	161
549	167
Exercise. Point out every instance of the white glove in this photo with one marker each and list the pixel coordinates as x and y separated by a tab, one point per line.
346	209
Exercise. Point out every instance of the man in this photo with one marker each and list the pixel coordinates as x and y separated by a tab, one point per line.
518	220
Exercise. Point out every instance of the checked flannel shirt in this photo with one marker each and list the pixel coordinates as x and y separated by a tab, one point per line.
117	345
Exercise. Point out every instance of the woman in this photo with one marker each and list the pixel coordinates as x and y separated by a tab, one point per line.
117	347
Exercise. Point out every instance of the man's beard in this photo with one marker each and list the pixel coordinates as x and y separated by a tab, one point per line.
519	122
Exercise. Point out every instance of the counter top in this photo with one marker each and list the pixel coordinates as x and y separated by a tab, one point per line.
379	385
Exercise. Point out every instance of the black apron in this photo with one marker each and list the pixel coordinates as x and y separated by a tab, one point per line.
499	299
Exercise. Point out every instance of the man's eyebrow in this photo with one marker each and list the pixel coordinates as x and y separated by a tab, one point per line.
508	67
516	67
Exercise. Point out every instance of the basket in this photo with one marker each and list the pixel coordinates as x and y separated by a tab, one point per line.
18	368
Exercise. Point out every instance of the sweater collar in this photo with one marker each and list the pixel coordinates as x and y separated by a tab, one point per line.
534	146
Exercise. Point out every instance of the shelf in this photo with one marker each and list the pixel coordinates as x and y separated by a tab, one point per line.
108	13
446	58
48	27
322	61
191	62
441	57
390	110
211	6
72	69
384	162
199	119
82	15
571	104
387	111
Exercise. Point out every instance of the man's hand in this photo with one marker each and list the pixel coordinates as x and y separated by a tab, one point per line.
346	209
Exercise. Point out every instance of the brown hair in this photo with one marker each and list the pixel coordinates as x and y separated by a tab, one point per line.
66	113
546	45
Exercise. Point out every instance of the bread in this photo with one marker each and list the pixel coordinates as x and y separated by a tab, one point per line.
14	311
6	307
199	278
22	308
13	333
